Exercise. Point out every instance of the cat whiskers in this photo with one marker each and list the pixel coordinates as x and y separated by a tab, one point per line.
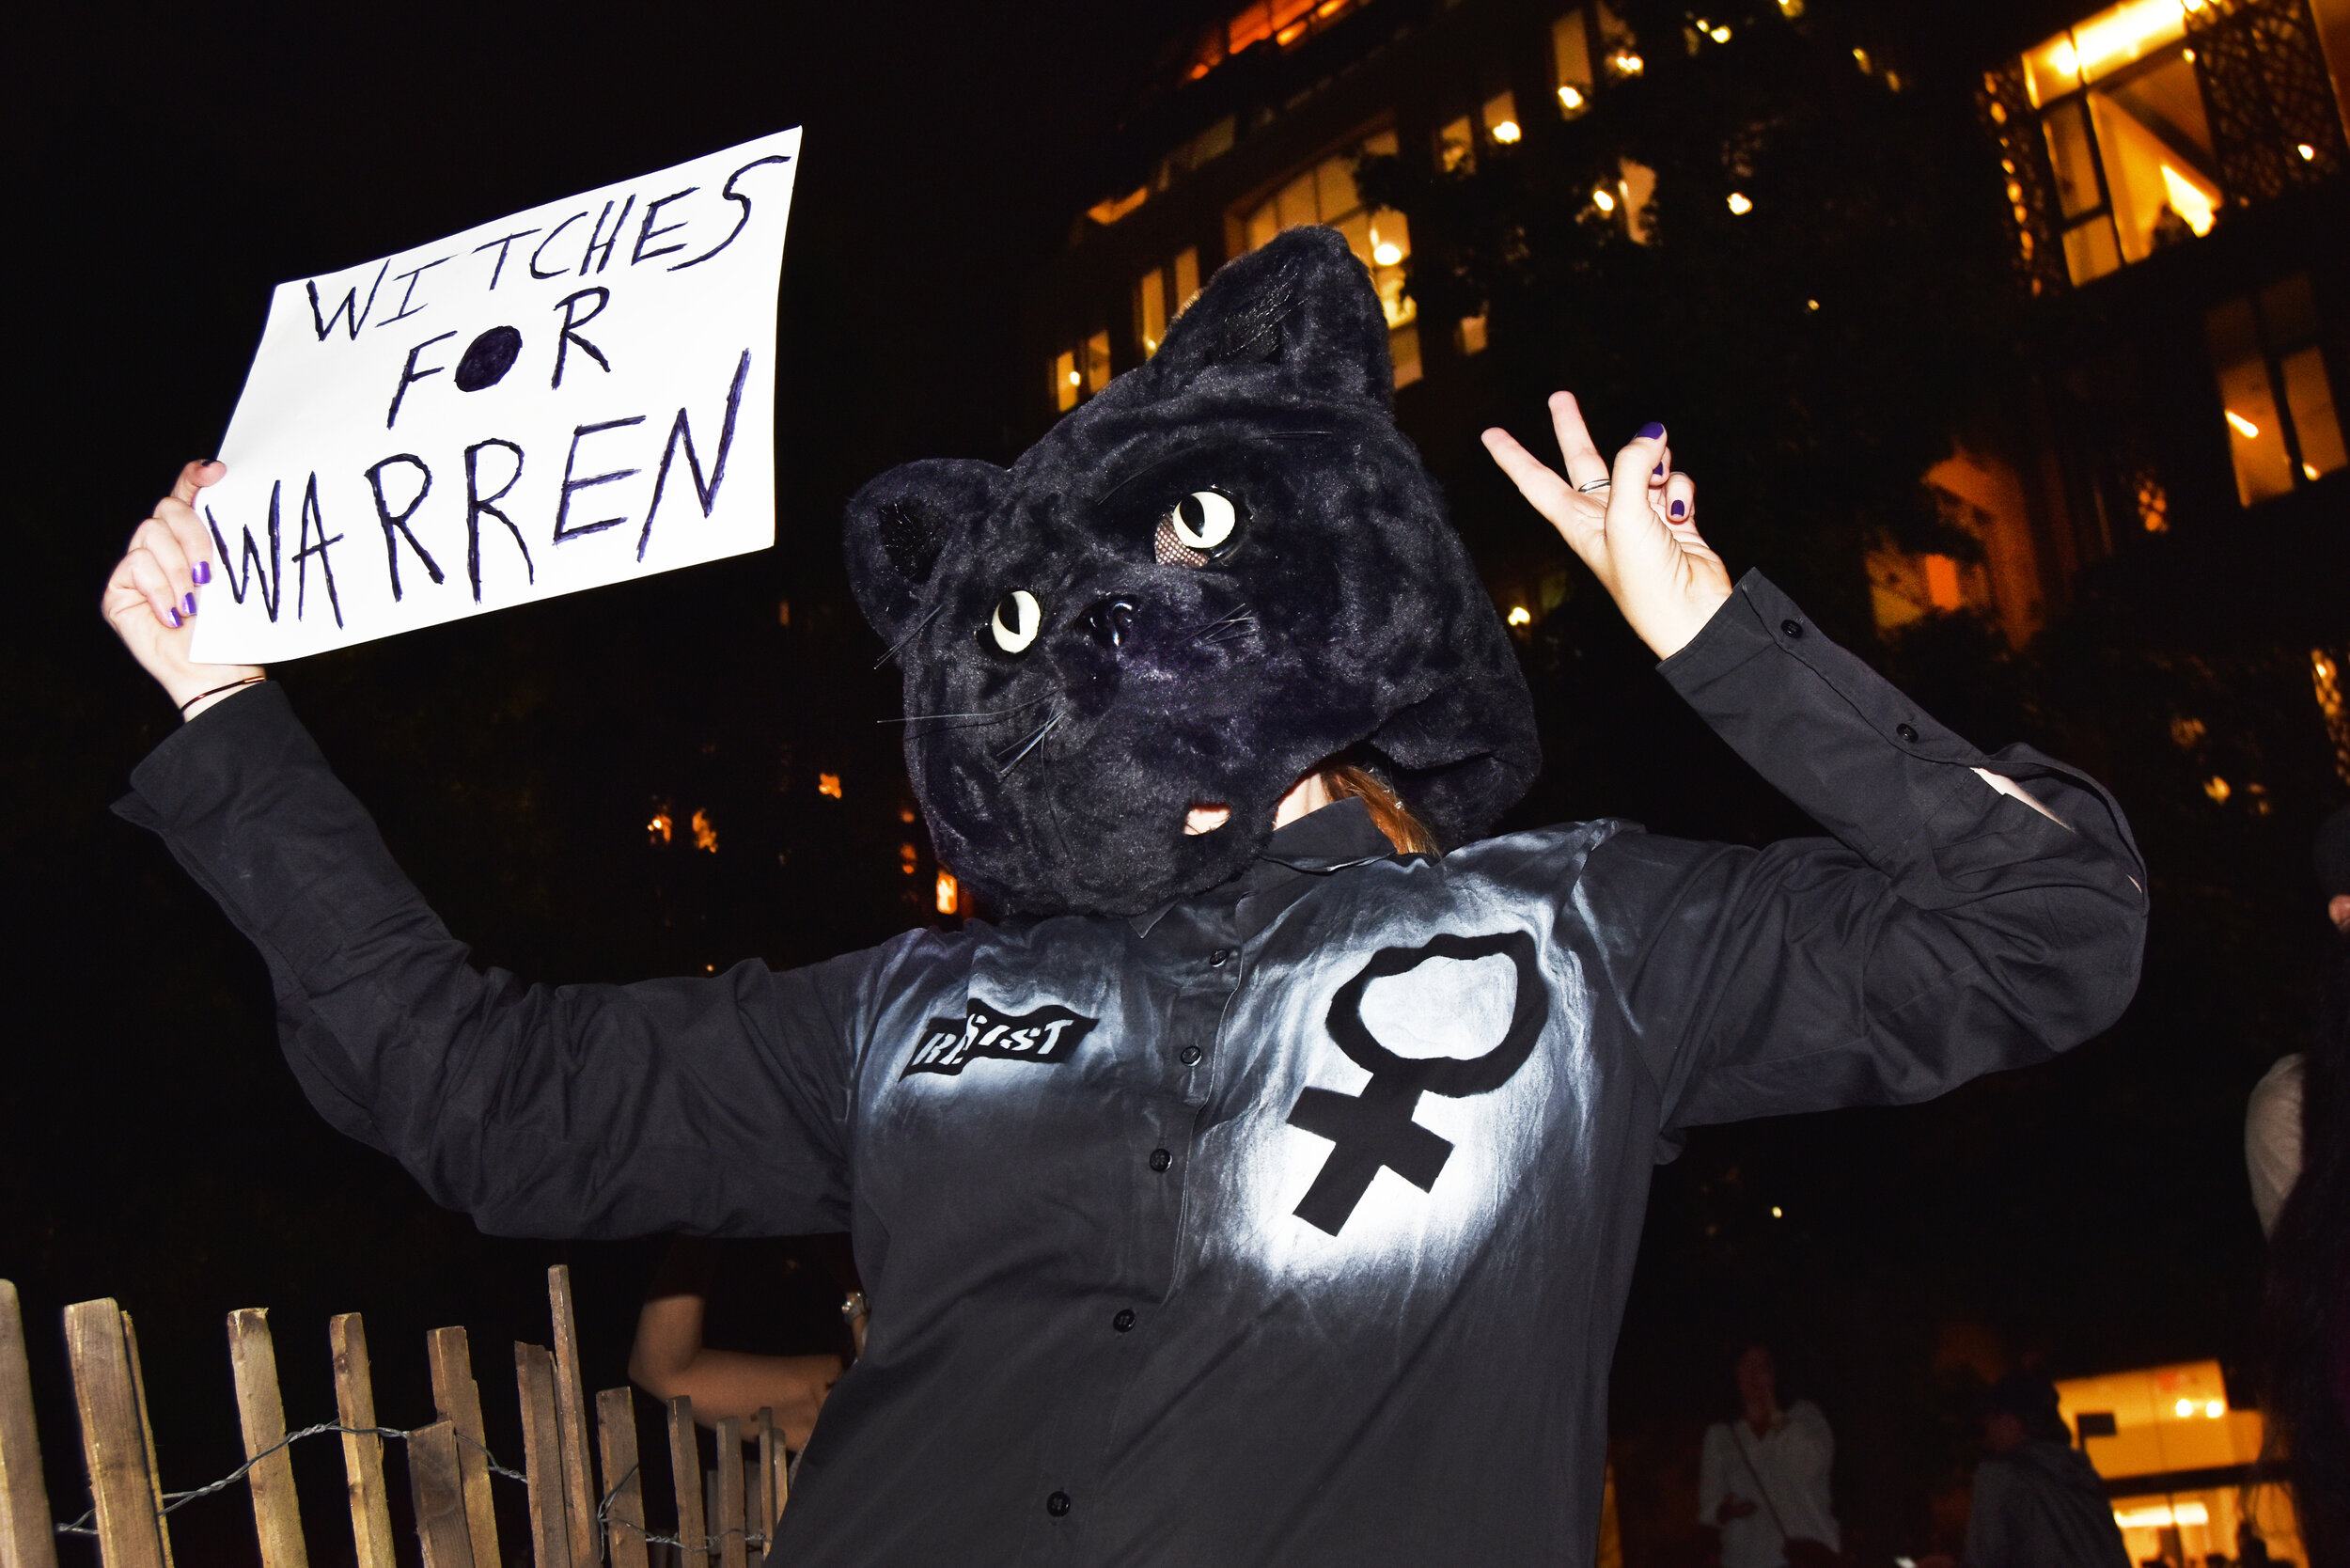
899	646
1029	745
1233	624
978	718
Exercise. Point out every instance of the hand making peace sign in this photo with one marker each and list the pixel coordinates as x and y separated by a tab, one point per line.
1634	526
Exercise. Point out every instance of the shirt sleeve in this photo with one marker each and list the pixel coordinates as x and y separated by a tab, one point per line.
716	1105
1712	1486
1944	929
1987	1522
2272	1139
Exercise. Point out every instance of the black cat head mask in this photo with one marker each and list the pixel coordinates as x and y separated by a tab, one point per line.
1226	568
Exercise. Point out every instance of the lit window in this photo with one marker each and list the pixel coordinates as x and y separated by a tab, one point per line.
1905	588
1110	210
1380	238
949	893
1403	349
1151	306
1066	381
1500	115
1571	61
2122	116
1942	589
1097	362
2274	393
1616	43
1186	278
1203	149
1456	147
1636	186
1285	23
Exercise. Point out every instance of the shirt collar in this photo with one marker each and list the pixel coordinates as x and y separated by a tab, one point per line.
1340	835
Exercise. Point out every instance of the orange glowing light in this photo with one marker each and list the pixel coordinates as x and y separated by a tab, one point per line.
828	784
705	833
1942	587
950	894
659	829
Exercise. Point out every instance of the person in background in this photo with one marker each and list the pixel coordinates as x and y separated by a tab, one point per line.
1762	1477
2039	1503
669	1357
2307	1308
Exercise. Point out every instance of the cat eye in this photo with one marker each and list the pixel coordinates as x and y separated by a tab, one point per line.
1199	528
1204	521
1017	619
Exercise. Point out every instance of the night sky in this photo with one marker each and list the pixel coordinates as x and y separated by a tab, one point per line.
171	167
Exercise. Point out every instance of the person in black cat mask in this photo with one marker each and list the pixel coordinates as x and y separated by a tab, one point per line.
1263	1186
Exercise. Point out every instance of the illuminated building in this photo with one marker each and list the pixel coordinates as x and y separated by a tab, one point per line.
2169	168
2178	1461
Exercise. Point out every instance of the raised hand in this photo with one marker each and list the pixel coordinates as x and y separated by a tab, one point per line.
1634	524
152	597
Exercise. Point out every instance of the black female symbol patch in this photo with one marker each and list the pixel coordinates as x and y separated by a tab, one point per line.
1375	1127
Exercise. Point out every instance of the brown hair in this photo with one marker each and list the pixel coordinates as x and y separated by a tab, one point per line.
1407	833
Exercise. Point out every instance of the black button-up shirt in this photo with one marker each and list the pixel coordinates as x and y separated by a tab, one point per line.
1289	1224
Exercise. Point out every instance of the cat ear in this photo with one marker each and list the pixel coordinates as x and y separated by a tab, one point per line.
897	528
1301	302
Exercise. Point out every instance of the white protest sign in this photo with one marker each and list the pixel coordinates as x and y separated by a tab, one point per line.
574	395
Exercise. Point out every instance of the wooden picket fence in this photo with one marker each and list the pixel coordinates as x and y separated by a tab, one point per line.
573	1524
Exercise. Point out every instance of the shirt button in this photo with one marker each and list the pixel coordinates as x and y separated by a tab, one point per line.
1793	628
1057	1504
1188	1056
1124	1320
1215	959
1907	732
1161	1159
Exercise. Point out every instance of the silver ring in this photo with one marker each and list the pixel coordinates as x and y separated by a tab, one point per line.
1594	486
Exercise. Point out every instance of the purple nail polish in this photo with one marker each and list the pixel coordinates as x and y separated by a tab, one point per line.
1657	472
1681	509
202	572
171	619
1651	431
189	600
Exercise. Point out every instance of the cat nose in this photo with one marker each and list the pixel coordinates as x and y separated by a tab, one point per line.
1110	621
